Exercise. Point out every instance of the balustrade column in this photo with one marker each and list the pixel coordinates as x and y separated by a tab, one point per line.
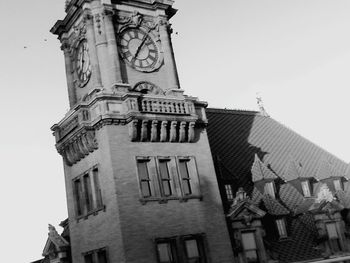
169	59
69	73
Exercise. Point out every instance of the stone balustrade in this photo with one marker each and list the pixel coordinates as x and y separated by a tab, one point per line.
168	106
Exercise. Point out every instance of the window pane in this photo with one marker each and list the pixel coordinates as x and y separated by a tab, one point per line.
102	256
88	258
337	185
163	167
183	169
306	189
248	240
145	189
142	170
186	187
186	183
229	194
77	193
332	230
165	253
281	227
166	187
191	248
270	189
87	192
97	188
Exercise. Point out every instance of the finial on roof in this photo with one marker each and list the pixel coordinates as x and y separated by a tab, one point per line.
52	229
260	103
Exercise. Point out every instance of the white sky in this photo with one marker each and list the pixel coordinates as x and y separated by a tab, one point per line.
295	53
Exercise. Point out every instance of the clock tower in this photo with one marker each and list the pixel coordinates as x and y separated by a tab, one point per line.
140	181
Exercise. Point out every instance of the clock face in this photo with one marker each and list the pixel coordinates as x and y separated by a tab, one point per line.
83	66
138	50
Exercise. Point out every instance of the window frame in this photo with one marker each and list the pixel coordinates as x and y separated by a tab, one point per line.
193	179
252	232
281	227
270	189
179	248
168	179
337	184
229	192
94	253
173	247
334	242
306	183
88	195
148	180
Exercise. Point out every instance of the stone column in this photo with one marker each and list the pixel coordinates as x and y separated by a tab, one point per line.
69	73
114	68
90	37
101	46
169	59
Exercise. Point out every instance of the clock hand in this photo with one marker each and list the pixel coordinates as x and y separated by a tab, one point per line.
142	43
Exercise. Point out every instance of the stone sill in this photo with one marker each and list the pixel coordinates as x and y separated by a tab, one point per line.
92	212
163	200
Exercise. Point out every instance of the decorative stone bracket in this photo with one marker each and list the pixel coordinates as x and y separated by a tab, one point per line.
162	131
78	147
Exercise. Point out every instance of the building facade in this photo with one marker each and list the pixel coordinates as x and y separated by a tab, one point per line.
140	180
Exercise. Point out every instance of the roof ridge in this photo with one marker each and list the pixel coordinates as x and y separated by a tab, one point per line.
235	111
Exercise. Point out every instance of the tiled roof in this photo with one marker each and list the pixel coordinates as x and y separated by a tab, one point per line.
273	207
292	170
290	197
260	171
236	136
250	146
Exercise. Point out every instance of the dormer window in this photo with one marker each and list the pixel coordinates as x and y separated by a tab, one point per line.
305	186
270	189
229	193
281	227
333	237
337	185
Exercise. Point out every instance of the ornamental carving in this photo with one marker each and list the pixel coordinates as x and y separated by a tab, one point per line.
137	20
147	87
162	131
78	147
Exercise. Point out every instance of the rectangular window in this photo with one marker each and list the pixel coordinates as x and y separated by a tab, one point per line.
142	168
229	193
87	193
281	227
78	196
97	188
333	237
269	189
189	179
88	258
96	256
184	249
306	188
166	252
337	185
164	177
185	176
249	247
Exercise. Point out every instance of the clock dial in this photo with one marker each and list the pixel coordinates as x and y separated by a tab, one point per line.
83	66
138	49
